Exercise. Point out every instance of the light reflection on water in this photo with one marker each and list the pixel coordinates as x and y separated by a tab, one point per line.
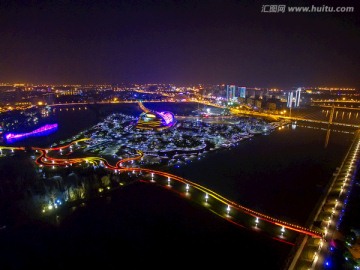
282	174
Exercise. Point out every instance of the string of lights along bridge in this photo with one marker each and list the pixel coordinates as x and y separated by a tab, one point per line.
52	158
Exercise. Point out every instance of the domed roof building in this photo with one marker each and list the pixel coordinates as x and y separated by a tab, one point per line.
152	120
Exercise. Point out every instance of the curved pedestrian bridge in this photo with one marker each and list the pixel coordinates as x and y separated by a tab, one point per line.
233	212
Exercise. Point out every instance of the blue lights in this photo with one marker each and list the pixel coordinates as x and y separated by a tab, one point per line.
328	264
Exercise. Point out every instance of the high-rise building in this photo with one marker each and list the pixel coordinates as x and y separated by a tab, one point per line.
230	92
242	92
297	97
289	99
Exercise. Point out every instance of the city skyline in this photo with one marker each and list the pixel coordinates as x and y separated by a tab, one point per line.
209	132
29	86
187	42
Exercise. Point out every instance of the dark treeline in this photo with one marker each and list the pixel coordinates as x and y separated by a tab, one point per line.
28	192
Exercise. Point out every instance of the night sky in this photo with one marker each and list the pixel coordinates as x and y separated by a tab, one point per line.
180	42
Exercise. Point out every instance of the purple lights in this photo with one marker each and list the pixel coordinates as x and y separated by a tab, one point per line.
155	120
44	130
167	117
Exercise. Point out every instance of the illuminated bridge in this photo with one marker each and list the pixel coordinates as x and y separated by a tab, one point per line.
233	212
293	118
277	117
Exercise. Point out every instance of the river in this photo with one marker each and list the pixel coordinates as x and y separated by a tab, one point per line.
282	174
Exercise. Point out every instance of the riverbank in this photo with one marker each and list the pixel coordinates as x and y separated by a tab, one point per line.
139	224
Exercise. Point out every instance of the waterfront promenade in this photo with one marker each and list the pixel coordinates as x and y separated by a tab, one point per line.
235	213
311	253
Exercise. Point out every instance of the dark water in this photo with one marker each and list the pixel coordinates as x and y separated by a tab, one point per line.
73	119
142	226
282	174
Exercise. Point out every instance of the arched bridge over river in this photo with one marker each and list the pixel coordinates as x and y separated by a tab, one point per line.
233	212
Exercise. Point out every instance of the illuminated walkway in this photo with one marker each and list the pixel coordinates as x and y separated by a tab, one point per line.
233	212
142	107
311	253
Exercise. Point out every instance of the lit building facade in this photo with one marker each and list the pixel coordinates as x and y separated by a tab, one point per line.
230	92
242	92
152	120
290	98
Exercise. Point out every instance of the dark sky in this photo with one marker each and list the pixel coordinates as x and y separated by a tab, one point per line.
180	42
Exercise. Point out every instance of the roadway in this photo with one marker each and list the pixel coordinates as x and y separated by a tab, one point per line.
277	117
312	254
